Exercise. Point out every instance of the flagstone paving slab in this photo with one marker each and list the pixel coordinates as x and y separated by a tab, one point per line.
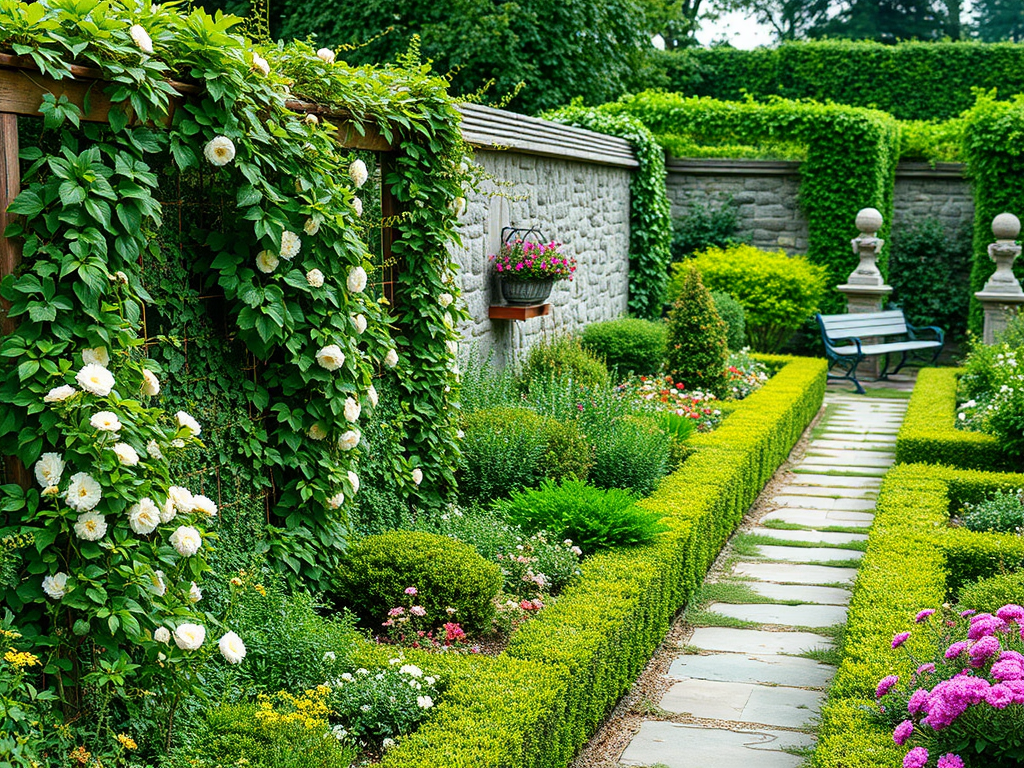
743	702
820	465
823	503
823	492
817	518
808	554
789	573
806	592
850	437
783	615
770	669
757	641
853	458
823	537
839	481
851	445
686	746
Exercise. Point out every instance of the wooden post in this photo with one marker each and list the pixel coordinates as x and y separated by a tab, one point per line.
390	209
10	250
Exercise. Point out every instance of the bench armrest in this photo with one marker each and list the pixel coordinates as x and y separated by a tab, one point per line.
940	335
829	343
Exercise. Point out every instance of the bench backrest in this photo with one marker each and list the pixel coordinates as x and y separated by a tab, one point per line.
859	325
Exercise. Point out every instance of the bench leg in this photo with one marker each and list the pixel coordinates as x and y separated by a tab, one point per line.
851	372
903	361
884	373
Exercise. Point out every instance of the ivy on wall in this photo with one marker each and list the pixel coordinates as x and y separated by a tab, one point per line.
850	162
650	217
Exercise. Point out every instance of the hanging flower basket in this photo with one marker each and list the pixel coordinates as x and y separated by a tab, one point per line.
525	293
528	270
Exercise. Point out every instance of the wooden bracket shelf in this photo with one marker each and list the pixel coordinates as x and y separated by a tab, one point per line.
518	313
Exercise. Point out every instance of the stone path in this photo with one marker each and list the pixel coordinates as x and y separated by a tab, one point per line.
745	689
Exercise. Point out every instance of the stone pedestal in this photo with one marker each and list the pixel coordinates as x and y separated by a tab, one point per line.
1002	295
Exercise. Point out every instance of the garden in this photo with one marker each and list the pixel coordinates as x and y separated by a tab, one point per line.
260	505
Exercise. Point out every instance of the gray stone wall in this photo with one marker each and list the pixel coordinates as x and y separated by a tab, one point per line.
583	205
941	193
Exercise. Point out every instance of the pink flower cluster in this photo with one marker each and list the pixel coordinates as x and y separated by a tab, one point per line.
525	260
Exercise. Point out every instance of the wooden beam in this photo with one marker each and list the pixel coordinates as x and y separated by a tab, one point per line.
502	312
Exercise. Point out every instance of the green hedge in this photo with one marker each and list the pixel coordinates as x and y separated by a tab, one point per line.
913	561
851	159
929	435
912	81
537	703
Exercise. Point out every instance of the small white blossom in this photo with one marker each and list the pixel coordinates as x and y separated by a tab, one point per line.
127	455
49	469
182	498
417	475
153	449
195	594
186	540
424	702
189	637
316	432
360	323
83	492
315	278
311	119
445	299
326	55
157	583
204	504
353	480
59	394
459	206
330	357
352	410
96	356
162	635
90	526
220	151
150	383
231	648
411	669
452	346
266	262
55	586
291	244
356	280
391	358
261	64
167	511
357	172
105	421
187	422
141	38
144	517
177	443
311	227
330	656
371	394
349	440
429	680
95	379
336	500
357	206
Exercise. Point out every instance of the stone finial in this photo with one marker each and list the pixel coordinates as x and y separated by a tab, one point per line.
867	247
1006	227
869	221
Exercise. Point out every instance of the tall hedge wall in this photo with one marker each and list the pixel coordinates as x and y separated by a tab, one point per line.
911	81
851	159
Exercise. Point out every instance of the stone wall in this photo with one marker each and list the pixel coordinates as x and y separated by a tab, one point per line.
765	194
572	194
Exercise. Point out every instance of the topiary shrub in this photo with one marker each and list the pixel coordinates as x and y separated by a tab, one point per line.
735	318
629	345
991	594
375	573
505	449
778	292
561	357
697	348
593	518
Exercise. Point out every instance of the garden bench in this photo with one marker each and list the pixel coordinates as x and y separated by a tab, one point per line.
852	328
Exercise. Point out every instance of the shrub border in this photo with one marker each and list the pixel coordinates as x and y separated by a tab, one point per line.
906	568
537	703
929	435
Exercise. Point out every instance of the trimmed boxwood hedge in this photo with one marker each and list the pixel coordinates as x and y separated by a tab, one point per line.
537	703
913	561
929	435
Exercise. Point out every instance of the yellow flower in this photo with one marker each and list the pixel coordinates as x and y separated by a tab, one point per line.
21	659
260	588
127	741
80	755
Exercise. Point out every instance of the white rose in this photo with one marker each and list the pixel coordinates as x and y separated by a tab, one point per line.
291	244
141	38
96	379
105	421
182	498
127	455
311	119
424	702
266	262
357	172
360	323
204	504
353	480
144	517
316	432
445	299
167	511
186	540
49	469
157	583
189	636
326	55
452	346
59	394
371	393
448	321
258	62
231	648
352	410
83	493
336	500
459	206
90	526
195	594
55	586
315	278
220	151
391	358
411	669
330	357
162	635
357	206
356	279
96	356
153	450
312	226
150	383
187	422
349	440
417	475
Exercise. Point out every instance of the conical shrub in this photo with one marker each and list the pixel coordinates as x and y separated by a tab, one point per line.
697	347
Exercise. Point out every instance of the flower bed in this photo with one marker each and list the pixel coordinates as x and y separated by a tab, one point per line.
913	561
929	433
538	702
